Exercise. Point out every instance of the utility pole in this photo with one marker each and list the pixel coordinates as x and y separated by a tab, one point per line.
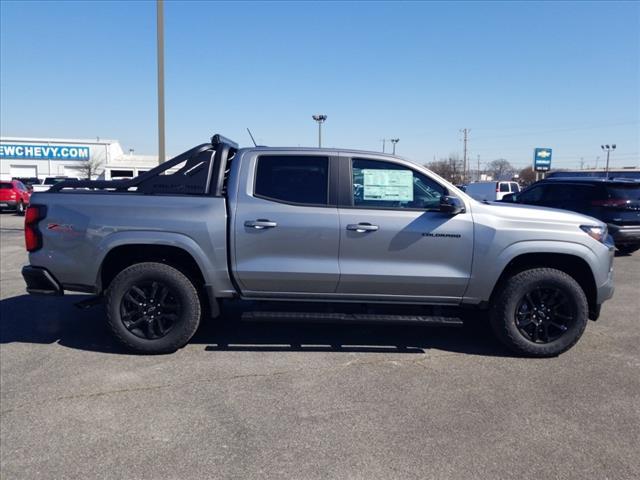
478	173
320	119
465	132
160	53
581	163
384	143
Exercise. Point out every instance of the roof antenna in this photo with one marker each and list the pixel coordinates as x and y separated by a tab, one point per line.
252	139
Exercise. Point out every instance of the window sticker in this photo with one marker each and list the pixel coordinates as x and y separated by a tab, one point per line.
388	185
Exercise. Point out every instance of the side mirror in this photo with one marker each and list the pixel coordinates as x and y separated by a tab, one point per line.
451	205
509	198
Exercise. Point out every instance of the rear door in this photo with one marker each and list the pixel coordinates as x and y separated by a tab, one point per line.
286	229
394	241
503	189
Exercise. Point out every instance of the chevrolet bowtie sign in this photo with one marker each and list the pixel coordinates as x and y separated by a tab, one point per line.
542	159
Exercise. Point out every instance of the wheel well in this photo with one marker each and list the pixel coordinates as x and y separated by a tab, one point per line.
574	266
124	256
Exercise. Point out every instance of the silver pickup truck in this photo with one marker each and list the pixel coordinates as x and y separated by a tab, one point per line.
361	230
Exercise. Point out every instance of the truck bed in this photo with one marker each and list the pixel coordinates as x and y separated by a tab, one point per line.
81	226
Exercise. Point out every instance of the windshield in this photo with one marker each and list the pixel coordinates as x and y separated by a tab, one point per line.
53	181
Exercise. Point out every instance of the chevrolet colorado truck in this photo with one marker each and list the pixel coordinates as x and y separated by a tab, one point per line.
290	226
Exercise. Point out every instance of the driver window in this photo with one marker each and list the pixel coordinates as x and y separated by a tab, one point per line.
379	184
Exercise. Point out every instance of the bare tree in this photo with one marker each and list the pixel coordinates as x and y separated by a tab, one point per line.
527	175
90	168
450	168
501	169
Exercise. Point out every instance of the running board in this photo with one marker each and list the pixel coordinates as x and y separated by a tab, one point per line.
351	317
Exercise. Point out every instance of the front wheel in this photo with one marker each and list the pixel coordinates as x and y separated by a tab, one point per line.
20	209
152	308
540	312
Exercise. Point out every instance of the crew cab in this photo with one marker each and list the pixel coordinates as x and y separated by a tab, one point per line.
328	226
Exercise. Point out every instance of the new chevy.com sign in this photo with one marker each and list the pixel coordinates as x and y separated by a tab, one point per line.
44	152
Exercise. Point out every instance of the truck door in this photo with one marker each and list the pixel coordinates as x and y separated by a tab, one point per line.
394	240
286	229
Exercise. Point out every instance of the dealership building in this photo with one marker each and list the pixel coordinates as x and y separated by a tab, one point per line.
53	157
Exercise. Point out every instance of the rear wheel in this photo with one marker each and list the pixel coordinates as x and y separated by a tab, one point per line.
628	249
540	312
153	308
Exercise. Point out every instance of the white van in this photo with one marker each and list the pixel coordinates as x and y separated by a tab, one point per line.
491	191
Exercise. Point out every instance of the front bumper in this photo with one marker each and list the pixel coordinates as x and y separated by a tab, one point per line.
40	281
605	289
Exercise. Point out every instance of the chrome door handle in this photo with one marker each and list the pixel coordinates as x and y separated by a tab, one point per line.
260	224
362	227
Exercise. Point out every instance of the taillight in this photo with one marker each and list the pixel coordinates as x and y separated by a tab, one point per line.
32	236
611	202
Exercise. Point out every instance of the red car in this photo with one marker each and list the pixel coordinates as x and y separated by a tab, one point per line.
14	196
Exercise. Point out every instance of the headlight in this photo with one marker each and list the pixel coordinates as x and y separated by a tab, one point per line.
597	233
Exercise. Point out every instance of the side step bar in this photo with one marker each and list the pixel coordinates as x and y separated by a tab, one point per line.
351	317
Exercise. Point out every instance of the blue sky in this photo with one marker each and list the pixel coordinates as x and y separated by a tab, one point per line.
519	75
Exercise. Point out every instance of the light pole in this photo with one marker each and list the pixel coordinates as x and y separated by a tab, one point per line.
320	119
608	149
394	141
160	48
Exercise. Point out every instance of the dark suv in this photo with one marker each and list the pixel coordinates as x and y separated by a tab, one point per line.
614	201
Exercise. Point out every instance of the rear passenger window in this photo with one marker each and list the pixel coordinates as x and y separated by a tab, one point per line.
515	188
293	179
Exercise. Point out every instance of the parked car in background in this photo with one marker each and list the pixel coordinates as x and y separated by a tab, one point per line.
14	196
633	173
614	201
28	182
491	191
50	181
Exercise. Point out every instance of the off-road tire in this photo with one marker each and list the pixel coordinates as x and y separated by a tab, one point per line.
182	330
511	293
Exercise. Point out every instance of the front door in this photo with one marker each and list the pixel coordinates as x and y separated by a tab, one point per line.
286	229
394	241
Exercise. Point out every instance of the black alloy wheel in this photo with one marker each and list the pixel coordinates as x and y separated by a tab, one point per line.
539	312
544	314
150	309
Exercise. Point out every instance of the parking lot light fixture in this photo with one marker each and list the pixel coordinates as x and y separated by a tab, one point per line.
394	141
608	149
320	118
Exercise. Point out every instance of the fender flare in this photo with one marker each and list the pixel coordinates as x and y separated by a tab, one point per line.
150	237
484	283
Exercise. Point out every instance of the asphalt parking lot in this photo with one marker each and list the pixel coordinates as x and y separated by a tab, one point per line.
310	401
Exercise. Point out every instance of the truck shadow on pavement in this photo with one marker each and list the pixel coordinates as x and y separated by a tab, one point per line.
48	320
